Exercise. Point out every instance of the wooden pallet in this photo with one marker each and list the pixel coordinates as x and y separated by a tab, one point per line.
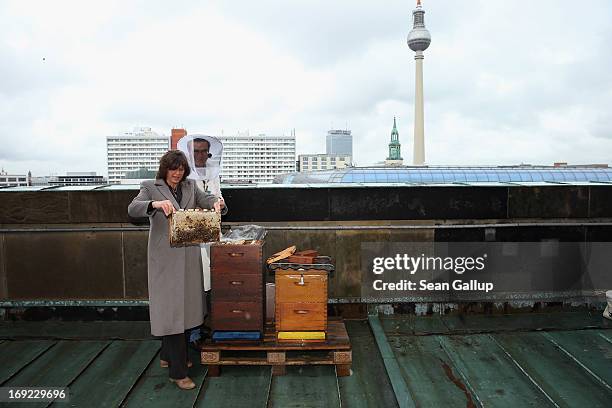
335	350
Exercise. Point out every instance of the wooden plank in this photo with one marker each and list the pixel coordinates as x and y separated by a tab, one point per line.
410	325
343	370
110	377
154	388
127	330
302	360
278	360
414	325
58	367
369	385
308	386
590	350
278	370
425	325
522	322
495	379
400	324
15	355
238	387
557	375
429	373
576	320
466	324
458	323
400	388
276	357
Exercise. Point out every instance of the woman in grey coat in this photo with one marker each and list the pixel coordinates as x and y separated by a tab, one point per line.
175	274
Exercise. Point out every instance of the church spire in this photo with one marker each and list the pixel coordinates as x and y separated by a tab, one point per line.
394	132
394	145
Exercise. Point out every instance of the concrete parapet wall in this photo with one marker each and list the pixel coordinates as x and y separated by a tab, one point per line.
97	252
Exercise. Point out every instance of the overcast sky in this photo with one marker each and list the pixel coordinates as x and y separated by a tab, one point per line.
505	81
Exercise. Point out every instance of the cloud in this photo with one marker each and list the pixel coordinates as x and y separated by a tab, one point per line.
319	32
504	83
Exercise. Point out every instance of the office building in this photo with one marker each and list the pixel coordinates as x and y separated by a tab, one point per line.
138	176
131	151
309	162
339	143
39	181
12	180
256	159
77	179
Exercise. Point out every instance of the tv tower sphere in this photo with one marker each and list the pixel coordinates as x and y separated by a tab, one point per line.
419	38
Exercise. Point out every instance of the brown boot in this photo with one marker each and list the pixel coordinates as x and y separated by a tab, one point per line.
184	383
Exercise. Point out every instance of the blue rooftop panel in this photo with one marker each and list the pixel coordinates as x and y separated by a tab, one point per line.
369	178
571	176
457	174
601	176
480	176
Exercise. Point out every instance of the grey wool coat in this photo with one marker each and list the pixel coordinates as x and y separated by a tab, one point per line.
176	295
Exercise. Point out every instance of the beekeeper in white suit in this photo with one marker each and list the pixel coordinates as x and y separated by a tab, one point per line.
204	156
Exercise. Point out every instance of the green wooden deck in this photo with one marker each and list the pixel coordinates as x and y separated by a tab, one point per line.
560	359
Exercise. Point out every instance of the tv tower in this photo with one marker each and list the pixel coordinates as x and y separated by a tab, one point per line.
418	41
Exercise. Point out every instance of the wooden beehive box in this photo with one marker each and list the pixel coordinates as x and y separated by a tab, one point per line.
237	280
301	300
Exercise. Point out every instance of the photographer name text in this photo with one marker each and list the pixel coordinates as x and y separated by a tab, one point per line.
411	265
458	285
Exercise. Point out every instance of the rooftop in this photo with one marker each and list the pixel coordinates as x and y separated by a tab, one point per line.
73	253
560	359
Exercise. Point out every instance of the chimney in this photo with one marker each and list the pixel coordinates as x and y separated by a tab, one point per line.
176	135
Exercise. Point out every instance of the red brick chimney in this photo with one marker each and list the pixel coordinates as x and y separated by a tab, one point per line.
176	135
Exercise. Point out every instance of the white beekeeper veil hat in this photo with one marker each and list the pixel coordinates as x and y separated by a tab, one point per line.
212	167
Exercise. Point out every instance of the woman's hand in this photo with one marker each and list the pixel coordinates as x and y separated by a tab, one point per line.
219	205
166	206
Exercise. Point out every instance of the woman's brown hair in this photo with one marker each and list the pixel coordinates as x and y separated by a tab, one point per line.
172	160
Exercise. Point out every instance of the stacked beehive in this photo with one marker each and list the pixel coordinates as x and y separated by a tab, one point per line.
237	281
301	298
